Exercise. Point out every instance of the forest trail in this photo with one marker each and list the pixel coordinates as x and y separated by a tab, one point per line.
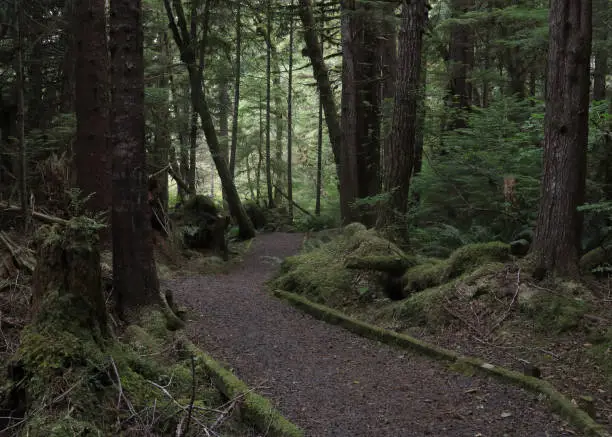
331	382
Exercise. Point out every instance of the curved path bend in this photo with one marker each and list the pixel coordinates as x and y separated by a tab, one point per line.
334	383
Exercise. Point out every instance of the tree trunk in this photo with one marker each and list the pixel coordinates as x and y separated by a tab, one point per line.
399	149
183	41
556	245
268	99
321	74
135	282
460	60
224	102
68	271
67	98
237	74
21	114
360	108
601	17
290	113
193	147
93	152
348	154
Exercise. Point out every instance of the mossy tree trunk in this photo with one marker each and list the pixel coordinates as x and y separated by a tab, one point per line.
67	281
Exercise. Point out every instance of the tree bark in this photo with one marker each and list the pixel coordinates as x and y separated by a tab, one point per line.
556	245
135	282
93	152
460	61
321	74
399	149
268	101
361	101
21	116
601	17
237	74
290	113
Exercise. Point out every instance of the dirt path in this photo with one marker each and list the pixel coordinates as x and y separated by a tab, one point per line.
334	383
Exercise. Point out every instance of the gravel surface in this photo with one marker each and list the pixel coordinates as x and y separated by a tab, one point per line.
334	383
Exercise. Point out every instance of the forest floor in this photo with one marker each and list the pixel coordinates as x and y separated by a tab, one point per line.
334	383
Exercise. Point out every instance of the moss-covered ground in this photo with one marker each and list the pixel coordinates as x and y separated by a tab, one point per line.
66	379
479	301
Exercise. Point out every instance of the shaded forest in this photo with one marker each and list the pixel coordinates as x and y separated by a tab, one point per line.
419	147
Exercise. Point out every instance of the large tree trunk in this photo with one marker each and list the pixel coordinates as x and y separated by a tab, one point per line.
135	282
348	154
360	106
399	149
556	245
198	100
321	74
93	154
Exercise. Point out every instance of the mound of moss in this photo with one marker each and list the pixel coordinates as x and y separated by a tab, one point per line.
433	272
320	273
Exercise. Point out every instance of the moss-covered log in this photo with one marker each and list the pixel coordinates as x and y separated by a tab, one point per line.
380	263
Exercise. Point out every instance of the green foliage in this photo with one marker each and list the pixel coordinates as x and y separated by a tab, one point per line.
461	186
307	223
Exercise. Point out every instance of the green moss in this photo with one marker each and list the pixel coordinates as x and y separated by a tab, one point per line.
433	272
471	256
593	259
320	273
554	312
352	228
426	275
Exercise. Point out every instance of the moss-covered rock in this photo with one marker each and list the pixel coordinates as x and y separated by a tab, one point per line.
471	256
432	272
321	274
428	274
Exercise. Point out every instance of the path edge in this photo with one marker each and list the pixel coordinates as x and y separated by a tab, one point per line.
559	402
256	409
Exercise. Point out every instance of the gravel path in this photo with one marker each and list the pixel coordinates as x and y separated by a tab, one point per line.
334	383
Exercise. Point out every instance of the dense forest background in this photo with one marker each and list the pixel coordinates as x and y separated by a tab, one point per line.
423	119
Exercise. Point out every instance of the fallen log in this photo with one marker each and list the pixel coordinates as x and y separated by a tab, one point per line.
380	263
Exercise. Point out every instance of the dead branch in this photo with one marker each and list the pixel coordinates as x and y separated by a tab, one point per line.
37	215
179	181
17	253
293	202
